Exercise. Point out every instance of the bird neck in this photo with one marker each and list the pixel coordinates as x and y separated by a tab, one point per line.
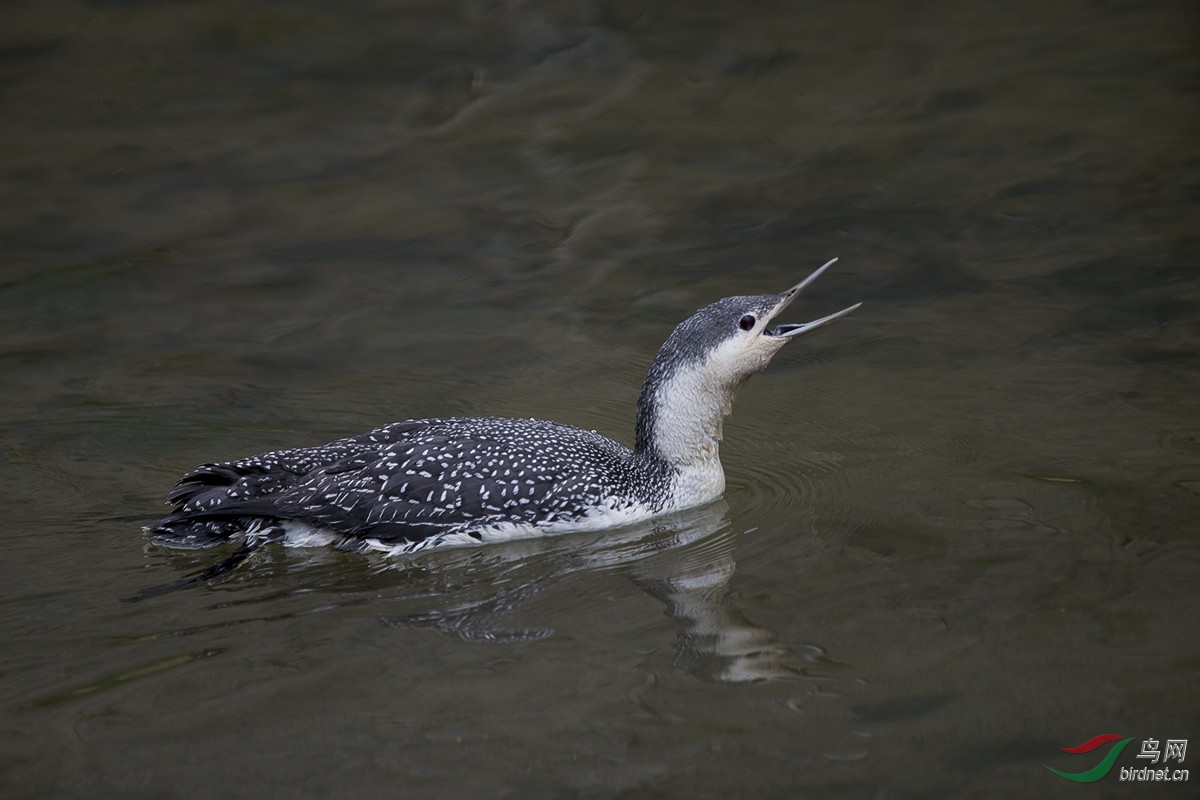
679	416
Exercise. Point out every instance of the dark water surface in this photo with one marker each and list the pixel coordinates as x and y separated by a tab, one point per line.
961	526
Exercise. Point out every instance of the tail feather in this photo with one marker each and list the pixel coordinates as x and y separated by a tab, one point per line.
187	531
200	479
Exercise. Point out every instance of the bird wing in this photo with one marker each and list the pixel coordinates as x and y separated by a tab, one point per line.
435	482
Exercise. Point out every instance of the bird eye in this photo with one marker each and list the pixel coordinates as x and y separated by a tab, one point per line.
746	322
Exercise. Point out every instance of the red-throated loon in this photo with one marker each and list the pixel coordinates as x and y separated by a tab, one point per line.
422	484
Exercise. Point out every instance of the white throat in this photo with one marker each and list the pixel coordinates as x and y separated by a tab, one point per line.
689	409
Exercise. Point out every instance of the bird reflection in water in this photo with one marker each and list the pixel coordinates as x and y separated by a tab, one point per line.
684	560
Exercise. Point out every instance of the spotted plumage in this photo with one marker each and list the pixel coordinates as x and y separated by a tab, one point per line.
421	484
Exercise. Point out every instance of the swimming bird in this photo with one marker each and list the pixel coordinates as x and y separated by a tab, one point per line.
432	483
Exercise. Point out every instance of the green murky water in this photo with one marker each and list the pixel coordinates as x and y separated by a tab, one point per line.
961	526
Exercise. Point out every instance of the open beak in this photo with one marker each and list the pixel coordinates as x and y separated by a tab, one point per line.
791	330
